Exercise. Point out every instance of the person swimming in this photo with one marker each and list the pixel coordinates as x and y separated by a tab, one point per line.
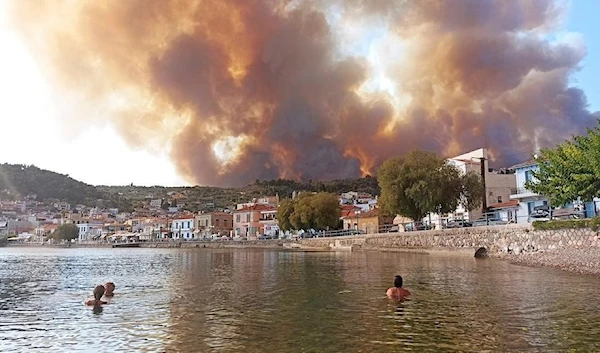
98	293
397	292
110	288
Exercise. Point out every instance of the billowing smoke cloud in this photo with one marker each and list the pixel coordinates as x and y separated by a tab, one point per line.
311	89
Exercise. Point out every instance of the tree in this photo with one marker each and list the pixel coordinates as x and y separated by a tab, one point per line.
316	211
284	211
570	170
423	183
66	232
326	210
473	191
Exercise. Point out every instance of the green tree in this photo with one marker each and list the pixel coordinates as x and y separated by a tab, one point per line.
326	210
473	191
284	211
66	232
570	170
317	211
303	215
423	183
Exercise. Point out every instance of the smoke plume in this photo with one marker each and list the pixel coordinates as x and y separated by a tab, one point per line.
239	90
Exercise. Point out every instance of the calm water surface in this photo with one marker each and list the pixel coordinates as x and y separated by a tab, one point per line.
255	301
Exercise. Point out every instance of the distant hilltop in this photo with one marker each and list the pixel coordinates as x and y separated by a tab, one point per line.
19	182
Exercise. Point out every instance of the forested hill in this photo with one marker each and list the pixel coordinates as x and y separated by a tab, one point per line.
285	187
17	181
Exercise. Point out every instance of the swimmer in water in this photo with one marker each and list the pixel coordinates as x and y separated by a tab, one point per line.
110	288
98	293
397	292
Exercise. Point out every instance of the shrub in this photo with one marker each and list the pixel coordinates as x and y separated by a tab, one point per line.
592	223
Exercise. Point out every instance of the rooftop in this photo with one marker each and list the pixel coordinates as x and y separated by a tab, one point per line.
507	204
258	207
524	164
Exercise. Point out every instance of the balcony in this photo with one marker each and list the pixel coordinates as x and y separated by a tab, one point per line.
518	193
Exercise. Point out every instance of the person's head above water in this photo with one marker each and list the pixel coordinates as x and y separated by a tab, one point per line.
99	292
110	288
398	281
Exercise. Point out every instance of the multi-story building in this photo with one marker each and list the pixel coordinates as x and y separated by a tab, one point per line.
155	203
183	227
214	223
89	231
252	221
528	200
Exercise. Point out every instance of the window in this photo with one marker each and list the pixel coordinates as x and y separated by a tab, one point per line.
491	193
248	217
217	222
499	199
528	175
237	218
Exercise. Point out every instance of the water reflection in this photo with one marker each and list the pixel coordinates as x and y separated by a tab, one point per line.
253	301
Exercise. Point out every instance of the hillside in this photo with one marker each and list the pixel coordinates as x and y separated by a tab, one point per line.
208	198
18	181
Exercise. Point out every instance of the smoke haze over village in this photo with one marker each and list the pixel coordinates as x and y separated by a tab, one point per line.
253	89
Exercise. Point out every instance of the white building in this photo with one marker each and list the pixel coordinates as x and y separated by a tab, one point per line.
183	227
498	184
89	231
366	202
156	203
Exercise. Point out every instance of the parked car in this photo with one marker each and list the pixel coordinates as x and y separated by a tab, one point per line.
489	222
417	226
311	233
264	237
540	213
458	223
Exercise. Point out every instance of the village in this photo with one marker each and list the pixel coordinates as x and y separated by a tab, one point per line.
507	201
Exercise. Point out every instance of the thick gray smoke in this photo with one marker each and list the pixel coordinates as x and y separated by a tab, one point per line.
252	89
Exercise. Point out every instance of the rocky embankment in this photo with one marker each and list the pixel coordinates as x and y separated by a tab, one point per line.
578	260
574	250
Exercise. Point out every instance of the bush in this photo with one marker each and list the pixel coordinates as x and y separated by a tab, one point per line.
592	223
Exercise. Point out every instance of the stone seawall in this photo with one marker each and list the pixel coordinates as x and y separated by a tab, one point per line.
265	244
576	250
497	239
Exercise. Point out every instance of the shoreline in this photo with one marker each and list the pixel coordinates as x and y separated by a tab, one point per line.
579	260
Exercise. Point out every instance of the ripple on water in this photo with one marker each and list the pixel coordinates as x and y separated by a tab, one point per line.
255	301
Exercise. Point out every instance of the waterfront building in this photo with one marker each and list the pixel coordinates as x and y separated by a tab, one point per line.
531	203
252	221
369	222
211	223
182	227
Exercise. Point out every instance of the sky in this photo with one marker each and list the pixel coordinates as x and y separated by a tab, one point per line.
32	132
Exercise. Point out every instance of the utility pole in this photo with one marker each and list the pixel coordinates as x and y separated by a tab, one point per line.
483	172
